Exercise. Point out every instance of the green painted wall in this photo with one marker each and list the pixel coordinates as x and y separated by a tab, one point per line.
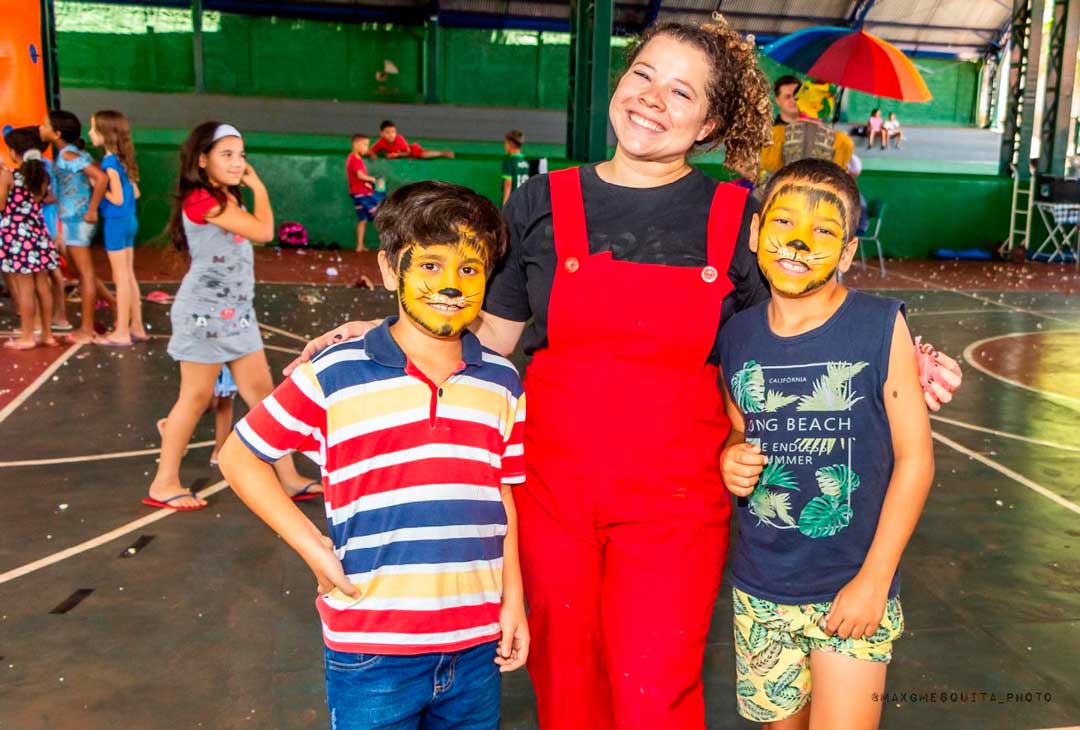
306	179
144	49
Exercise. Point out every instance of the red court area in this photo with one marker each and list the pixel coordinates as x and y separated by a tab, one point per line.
1041	361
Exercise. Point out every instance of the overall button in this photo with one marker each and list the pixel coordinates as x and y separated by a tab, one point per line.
440	392
708	274
572	264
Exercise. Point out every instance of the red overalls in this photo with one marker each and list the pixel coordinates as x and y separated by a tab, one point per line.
623	516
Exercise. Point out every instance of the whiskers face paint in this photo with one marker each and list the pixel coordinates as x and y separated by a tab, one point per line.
802	238
441	287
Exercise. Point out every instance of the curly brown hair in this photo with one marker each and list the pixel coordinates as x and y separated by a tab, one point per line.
738	91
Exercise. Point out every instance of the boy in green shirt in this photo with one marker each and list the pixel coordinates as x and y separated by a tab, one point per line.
515	168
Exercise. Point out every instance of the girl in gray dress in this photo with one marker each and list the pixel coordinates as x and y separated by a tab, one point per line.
213	316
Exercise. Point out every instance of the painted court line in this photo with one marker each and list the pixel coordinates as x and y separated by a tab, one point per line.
970	350
284	333
1016	477
95	457
45	562
995	432
978	298
41	379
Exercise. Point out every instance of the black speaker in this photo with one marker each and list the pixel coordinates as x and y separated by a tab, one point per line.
1050	189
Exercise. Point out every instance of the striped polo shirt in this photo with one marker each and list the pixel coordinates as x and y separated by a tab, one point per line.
412	472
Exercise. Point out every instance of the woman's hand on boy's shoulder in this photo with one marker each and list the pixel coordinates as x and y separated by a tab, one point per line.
939	375
741	466
347	331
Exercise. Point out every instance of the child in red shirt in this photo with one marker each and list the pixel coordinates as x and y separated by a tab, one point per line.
365	197
395	145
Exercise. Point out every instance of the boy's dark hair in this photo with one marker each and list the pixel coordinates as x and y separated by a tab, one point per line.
68	126
386	123
356	137
35	175
819	172
785	80
431	212
515	137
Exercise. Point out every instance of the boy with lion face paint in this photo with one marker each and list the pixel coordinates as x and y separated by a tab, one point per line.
830	455
418	430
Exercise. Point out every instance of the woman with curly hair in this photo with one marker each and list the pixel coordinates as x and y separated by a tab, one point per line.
618	279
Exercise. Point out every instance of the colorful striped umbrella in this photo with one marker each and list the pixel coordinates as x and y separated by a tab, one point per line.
852	59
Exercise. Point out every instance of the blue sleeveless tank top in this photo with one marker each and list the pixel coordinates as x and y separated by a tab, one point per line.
815	405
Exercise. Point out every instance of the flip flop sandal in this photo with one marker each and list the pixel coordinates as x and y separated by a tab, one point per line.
306	494
166	503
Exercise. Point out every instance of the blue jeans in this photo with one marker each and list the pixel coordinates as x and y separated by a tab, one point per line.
456	691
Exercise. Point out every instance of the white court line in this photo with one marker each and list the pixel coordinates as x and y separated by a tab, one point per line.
160	514
30	389
275	348
284	333
95	457
970	349
995	432
1020	478
977	298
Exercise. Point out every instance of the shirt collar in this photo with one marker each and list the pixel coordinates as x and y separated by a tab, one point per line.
383	349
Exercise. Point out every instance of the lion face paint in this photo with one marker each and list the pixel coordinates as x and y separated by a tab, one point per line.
802	237
441	287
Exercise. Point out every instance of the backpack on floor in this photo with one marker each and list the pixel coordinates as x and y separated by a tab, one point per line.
292	234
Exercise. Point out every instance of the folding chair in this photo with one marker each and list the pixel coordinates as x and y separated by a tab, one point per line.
875	211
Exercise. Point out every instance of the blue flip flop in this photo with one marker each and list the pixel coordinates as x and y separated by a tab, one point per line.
306	494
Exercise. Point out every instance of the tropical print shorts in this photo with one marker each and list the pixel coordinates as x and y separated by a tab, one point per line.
772	652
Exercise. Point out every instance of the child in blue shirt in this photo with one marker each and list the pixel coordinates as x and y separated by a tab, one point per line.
110	129
830	454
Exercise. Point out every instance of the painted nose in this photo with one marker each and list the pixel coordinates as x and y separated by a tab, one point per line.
798	245
450	292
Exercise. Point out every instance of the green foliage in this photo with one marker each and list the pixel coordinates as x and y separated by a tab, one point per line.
748	388
824	516
776	400
832	391
777	475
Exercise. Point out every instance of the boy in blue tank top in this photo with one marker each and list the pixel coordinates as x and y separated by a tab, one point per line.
831	458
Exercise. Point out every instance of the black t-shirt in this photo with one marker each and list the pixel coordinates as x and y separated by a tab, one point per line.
665	225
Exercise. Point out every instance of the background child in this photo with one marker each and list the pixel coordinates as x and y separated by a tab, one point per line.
362	187
222	406
893	133
835	467
27	252
515	168
80	187
213	314
875	127
110	130
419	431
51	212
395	145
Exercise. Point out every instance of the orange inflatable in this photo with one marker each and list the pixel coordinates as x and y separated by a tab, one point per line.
22	68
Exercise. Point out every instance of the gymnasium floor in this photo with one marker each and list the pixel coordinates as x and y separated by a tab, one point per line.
205	620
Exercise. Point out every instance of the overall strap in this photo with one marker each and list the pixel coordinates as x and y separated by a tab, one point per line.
568	214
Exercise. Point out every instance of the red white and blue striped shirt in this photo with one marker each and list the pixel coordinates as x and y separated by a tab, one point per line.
412	473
